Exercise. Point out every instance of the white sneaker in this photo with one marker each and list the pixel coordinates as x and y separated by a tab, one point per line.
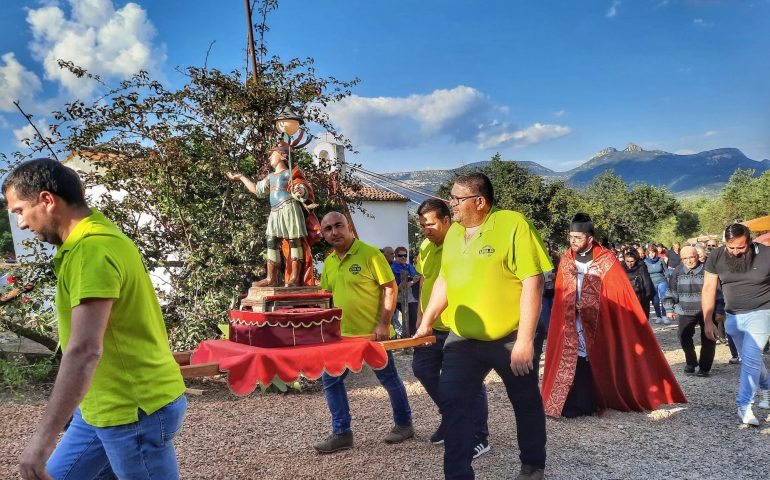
764	399
658	320
747	415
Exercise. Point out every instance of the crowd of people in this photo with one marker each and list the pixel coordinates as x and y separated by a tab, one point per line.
492	293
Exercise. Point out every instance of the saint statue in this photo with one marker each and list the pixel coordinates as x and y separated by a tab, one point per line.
288	192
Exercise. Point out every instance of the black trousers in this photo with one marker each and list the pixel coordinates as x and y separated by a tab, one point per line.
580	399
466	364
708	347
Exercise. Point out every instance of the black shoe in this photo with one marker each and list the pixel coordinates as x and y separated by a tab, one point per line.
480	449
335	442
689	369
437	438
703	373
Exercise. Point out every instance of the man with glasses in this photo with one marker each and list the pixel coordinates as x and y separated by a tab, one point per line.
490	284
435	220
683	303
601	350
412	278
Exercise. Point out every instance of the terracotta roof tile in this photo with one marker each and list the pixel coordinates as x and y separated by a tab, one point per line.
369	193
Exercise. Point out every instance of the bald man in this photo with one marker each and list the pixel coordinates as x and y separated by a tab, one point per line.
683	302
362	284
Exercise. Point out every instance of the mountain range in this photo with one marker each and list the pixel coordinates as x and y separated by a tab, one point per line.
684	175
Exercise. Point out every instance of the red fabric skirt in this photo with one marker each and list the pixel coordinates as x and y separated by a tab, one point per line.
247	366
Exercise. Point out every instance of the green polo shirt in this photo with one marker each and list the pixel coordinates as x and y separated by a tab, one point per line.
137	369
429	265
356	284
484	277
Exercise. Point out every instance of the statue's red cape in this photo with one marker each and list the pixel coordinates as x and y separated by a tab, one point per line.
628	368
313	227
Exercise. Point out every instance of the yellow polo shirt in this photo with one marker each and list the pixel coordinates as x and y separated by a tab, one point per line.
429	265
484	277
137	369
355	282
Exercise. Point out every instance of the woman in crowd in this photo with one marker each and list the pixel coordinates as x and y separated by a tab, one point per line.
639	278
659	275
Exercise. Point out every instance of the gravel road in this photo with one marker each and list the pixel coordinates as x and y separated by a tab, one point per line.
269	436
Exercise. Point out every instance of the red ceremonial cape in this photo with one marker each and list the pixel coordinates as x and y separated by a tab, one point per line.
628	368
313	227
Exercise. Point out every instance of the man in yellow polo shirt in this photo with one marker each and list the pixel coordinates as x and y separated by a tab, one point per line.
491	285
435	220
362	285
117	381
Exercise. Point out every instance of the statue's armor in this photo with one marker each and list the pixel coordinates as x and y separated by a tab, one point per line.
279	194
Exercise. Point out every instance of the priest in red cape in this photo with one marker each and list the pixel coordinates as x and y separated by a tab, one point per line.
601	351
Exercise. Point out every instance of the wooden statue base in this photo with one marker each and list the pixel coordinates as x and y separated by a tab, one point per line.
268	299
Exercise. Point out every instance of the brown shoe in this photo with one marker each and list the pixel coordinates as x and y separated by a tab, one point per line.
399	433
335	442
528	472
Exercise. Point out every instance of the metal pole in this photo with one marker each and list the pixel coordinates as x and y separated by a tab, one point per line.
251	41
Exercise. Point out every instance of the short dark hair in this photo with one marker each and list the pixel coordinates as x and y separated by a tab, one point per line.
434	205
478	183
45	175
737	230
401	249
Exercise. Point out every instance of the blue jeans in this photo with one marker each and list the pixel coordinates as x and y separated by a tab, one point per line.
466	364
139	450
657	300
426	364
337	396
750	332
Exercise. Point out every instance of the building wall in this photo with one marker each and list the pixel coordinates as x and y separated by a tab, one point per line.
385	225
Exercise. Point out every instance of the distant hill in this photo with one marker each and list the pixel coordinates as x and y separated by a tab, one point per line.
685	175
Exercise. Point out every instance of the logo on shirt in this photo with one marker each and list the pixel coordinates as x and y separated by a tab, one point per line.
486	251
355	269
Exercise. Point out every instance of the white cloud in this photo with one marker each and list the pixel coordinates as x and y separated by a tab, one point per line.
613	10
105	41
27	132
560	113
699	22
685	151
536	133
461	114
711	133
16	83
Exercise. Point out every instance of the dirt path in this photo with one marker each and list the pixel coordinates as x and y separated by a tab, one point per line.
269	436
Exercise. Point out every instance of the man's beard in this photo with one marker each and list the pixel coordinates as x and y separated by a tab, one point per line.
739	263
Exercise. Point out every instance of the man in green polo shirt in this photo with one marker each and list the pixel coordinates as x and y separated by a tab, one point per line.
435	220
491	285
362	285
117	381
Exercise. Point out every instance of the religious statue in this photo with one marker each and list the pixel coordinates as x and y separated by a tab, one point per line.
289	192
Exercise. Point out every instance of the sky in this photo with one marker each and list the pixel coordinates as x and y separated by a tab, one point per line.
443	83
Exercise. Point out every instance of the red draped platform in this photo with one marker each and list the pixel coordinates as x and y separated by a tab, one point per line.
247	366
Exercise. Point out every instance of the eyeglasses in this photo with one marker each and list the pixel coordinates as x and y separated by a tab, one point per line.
456	200
401	255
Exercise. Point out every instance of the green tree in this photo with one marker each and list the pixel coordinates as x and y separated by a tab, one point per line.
623	215
162	155
6	239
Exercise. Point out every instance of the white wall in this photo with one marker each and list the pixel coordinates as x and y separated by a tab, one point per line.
388	228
